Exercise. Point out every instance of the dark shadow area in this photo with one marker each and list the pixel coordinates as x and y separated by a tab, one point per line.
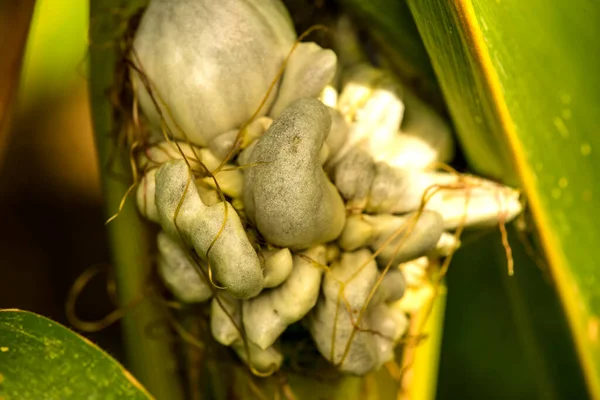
505	337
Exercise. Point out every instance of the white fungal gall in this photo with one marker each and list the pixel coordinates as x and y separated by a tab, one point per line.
479	203
395	237
403	238
390	325
145	196
323	154
392	287
374	103
309	69
357	233
332	253
353	178
329	96
277	266
357	289
208	195
158	154
269	314
202	160
428	131
225	324
377	187
460	199
415	271
224	143
395	190
179	273
447	244
263	360
210	63
225	314
414	299
338	133
286	192
332	322
216	228
408	152
357	87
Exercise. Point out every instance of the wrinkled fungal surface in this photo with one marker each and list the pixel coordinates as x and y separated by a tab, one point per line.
322	205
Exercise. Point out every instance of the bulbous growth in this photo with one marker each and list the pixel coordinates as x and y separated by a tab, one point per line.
225	332
396	238
210	62
332	321
286	192
178	272
309	69
215	232
267	315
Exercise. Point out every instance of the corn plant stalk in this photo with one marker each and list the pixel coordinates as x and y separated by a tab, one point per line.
151	360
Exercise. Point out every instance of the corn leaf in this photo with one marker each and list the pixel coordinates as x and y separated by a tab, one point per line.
40	359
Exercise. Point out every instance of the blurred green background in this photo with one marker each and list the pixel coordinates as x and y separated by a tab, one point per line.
503	337
50	204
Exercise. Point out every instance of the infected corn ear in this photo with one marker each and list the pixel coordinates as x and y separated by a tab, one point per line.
216	228
209	67
286	193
